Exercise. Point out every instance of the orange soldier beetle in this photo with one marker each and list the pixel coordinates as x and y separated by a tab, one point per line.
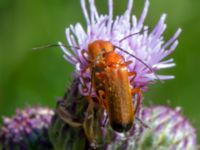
110	80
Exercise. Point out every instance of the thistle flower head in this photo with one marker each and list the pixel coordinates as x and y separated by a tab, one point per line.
28	129
167	130
149	45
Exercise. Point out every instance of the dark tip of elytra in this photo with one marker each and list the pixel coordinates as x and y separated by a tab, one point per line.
121	127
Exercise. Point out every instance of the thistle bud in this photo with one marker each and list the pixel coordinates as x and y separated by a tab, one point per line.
27	130
168	130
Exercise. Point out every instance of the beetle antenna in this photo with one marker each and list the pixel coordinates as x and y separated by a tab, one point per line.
130	35
141	61
53	45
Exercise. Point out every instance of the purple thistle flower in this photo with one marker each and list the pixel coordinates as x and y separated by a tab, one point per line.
28	129
168	129
148	46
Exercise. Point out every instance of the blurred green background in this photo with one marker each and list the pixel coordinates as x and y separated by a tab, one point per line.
37	77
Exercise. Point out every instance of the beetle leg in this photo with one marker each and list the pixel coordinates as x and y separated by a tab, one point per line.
141	122
126	63
133	75
84	70
66	116
139	94
84	79
92	74
89	122
83	52
102	99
